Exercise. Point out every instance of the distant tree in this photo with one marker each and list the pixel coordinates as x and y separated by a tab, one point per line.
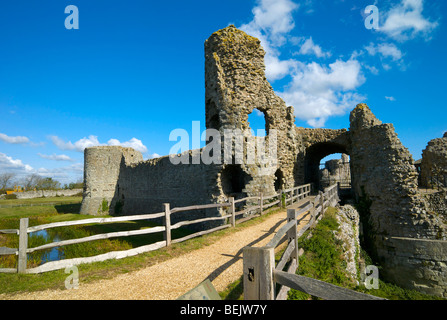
48	184
74	185
31	181
6	179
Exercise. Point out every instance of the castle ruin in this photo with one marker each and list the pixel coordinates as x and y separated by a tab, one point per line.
405	235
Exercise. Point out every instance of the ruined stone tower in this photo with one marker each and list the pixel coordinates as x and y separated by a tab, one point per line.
102	168
235	85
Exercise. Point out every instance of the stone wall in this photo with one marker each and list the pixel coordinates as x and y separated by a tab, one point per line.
382	170
132	186
437	203
47	193
102	168
144	187
418	264
385	182
434	164
348	232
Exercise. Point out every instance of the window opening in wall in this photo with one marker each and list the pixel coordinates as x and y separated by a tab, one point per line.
257	123
279	179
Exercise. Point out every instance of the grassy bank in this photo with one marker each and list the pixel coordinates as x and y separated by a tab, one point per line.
24	208
323	260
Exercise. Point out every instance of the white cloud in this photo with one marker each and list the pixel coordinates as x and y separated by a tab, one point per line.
372	69
13	140
79	145
309	48
67	174
405	21
386	50
276	68
92	141
132	143
271	22
154	156
274	17
390	98
316	91
8	164
55	157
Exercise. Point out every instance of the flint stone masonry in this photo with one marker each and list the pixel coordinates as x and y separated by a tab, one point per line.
235	85
437	202
348	232
384	176
102	168
382	170
418	264
434	164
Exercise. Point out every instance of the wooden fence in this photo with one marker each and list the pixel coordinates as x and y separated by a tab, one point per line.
261	203
261	275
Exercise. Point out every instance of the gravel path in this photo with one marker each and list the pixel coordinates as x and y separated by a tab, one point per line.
220	262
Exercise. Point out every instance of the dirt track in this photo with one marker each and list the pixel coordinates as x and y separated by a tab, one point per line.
220	262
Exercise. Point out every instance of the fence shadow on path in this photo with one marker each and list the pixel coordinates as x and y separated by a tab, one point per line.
218	271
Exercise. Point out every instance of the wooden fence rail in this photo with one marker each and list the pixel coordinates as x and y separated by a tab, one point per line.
230	220
261	275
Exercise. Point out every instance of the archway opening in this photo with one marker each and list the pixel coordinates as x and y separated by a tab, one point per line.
338	166
233	180
335	168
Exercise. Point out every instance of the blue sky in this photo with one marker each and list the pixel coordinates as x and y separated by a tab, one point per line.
134	71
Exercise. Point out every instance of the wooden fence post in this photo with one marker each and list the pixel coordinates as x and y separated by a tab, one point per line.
167	223
321	203
233	212
312	210
261	202
292	233
23	245
322	200
280	197
258	267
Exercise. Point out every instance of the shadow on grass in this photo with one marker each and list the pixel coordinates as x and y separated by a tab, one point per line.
68	208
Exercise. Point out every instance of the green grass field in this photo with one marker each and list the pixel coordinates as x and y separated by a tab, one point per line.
67	209
42	200
24	208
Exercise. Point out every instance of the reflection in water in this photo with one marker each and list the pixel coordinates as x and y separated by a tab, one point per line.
53	254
